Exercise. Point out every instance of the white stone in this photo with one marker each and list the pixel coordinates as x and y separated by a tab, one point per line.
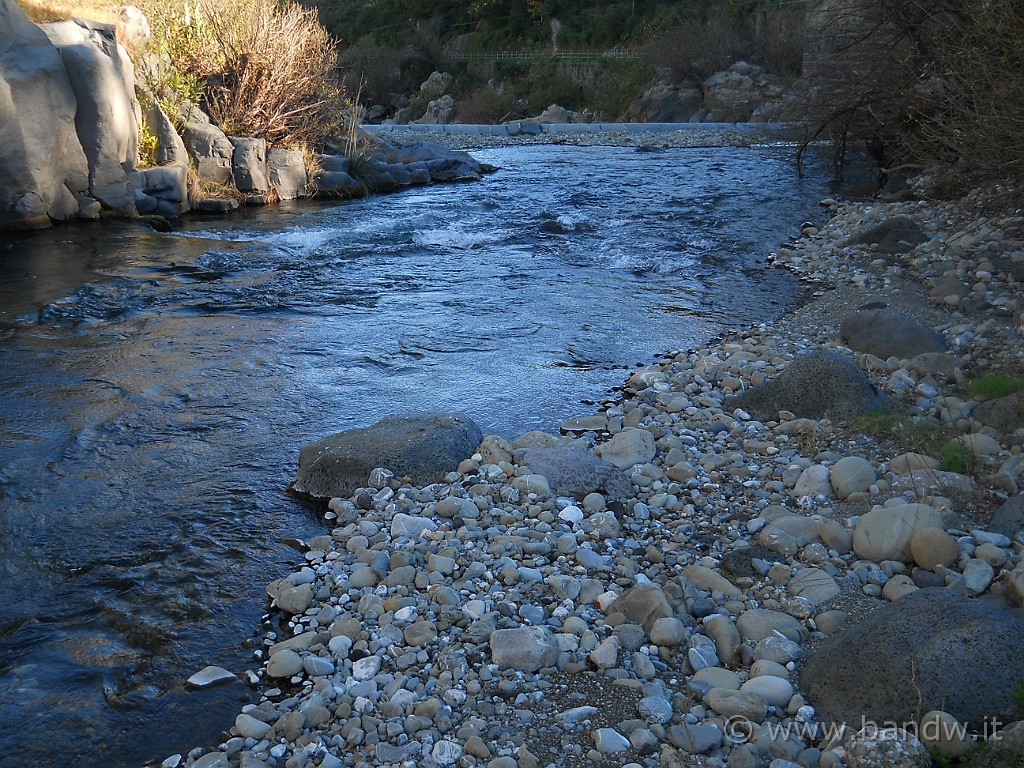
365	668
610	741
209	676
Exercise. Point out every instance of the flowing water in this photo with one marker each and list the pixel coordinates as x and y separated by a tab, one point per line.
155	390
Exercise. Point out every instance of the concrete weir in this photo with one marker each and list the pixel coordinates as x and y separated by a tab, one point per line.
527	128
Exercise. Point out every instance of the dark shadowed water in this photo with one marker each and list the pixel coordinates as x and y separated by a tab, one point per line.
155	390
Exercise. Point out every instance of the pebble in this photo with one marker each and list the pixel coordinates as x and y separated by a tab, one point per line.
483	620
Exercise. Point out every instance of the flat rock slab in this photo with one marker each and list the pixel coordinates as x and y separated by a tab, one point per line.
422	446
930	649
210	676
889	333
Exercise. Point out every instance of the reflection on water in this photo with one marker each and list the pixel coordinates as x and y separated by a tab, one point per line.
155	390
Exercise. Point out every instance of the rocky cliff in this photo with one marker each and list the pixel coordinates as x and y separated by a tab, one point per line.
68	121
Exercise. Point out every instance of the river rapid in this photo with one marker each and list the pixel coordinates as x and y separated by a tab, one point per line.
155	390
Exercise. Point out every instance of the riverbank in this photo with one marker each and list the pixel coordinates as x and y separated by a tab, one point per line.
487	621
640	135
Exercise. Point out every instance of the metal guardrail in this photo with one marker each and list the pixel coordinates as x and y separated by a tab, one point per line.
527	55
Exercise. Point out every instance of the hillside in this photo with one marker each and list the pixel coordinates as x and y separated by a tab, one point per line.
391	48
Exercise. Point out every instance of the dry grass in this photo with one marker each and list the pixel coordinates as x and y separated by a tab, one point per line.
44	11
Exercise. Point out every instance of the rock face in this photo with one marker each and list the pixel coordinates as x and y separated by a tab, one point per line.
735	94
931	649
70	122
666	102
423	446
814	386
108	116
888	333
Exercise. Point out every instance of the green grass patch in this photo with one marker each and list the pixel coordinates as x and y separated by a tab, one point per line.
956	457
909	433
991	386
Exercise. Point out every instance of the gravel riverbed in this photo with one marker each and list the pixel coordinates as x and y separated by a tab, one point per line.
488	620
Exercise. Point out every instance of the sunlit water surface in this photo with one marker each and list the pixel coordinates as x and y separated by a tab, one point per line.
155	390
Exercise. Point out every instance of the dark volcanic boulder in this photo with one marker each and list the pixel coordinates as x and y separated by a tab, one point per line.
423	446
900	234
573	471
1009	518
1004	413
818	385
888	333
931	649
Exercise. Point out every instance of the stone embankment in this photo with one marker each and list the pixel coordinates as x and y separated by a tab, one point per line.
69	140
719	567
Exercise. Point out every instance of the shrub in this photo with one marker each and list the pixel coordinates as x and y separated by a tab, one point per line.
278	78
922	84
488	105
269	68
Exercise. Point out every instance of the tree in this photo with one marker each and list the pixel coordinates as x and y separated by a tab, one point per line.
922	85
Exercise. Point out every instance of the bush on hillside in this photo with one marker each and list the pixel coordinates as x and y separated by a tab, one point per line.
487	105
268	68
696	43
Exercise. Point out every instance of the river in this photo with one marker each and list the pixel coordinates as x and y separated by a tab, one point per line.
155	390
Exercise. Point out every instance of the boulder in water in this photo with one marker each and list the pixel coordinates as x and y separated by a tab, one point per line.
423	446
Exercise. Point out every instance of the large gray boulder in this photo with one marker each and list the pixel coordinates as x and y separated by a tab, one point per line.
424	446
170	149
1009	518
734	94
900	234
818	385
210	150
287	172
931	649
1004	413
249	164
162	190
107	115
888	333
440	111
69	125
573	471
526	649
